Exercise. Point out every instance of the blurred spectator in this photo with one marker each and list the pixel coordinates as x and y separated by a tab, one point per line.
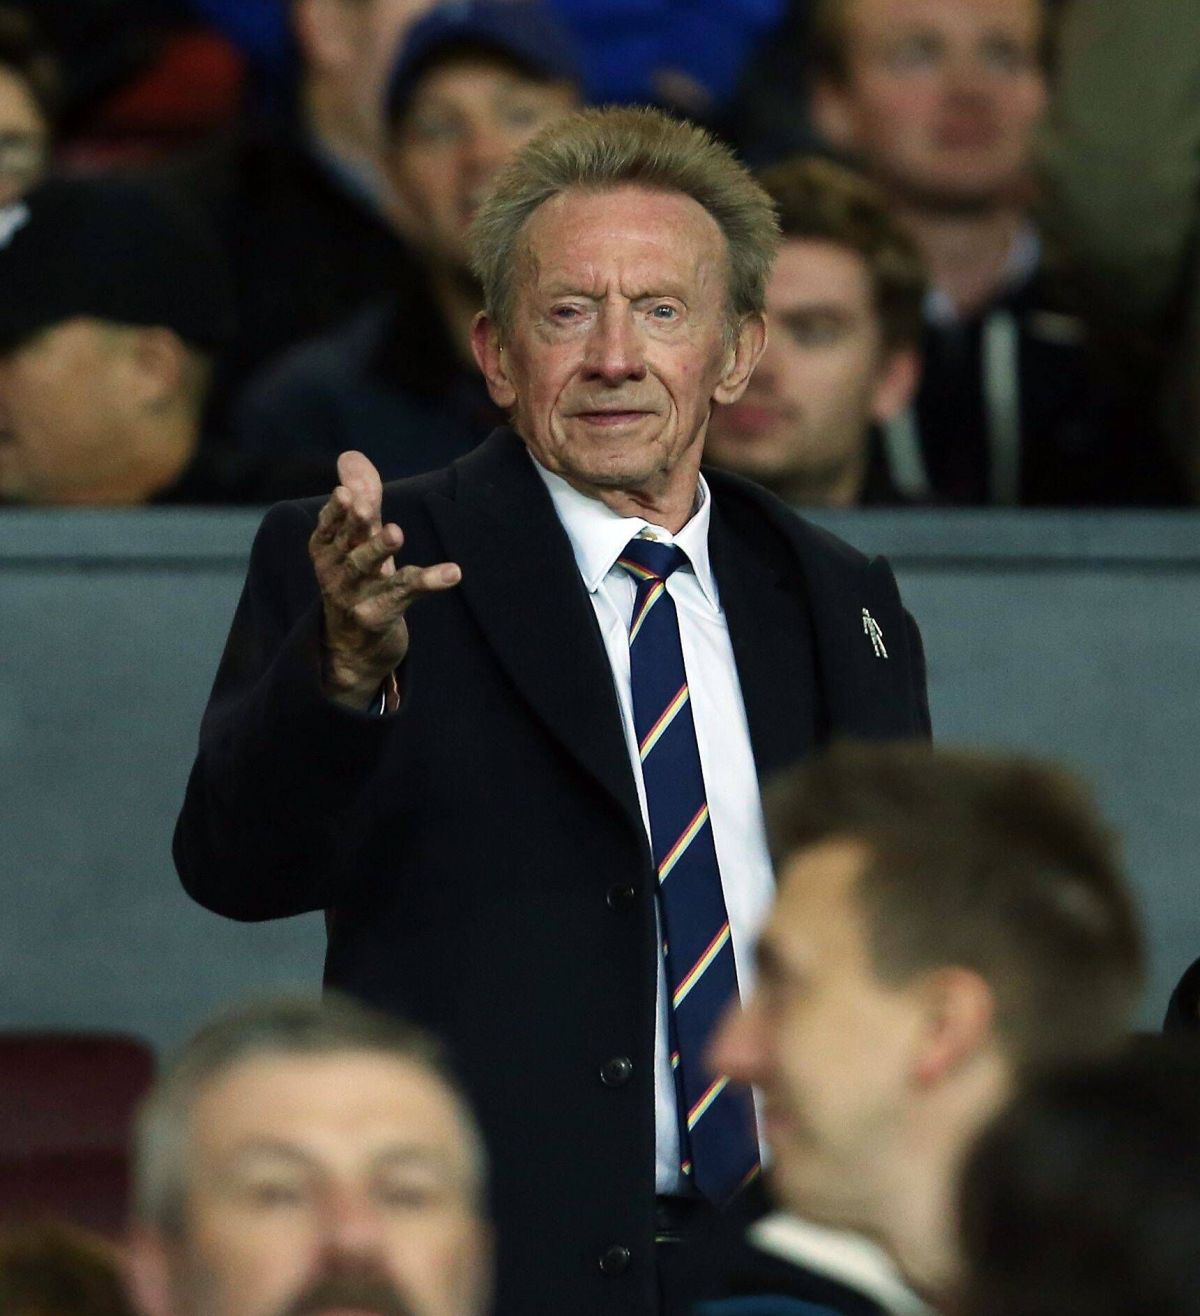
940	99
842	356
949	925
1121	159
1084	1196
306	1158
302	208
30	91
140	78
398	381
111	306
58	1270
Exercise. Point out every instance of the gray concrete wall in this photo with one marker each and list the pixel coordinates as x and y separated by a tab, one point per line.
1072	635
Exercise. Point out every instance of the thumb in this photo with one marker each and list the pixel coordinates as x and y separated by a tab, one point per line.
357	472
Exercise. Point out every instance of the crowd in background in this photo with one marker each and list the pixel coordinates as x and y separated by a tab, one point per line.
986	295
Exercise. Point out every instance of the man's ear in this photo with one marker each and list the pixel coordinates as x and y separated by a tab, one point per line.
832	114
959	1015
491	359
741	359
158	361
147	1270
896	384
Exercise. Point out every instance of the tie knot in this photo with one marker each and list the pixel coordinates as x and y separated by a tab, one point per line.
645	559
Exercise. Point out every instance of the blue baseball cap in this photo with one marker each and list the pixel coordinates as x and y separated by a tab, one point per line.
523	31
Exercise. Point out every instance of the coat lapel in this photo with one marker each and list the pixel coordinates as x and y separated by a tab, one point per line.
772	645
868	695
522	585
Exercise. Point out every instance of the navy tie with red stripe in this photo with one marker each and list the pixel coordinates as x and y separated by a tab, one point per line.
719	1147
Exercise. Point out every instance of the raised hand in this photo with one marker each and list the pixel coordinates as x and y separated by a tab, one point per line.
364	594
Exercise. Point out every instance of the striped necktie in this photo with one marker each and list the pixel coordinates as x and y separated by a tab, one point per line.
719	1149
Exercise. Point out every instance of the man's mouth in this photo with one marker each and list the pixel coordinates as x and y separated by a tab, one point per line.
751	418
610	418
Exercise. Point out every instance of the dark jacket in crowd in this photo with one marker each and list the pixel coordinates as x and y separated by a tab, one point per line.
305	247
1021	404
388	382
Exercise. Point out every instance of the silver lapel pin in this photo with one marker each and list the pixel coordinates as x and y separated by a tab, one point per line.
872	628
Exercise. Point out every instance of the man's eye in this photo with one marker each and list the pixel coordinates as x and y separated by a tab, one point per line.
274	1194
664	311
915	53
565	312
406	1196
432	132
1005	57
522	116
816	332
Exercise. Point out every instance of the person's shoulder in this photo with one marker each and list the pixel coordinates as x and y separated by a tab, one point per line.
337	357
761	516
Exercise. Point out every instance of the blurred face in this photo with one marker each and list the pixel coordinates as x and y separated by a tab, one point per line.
802	425
24	138
942	96
465	120
617	350
830	1046
336	1183
65	405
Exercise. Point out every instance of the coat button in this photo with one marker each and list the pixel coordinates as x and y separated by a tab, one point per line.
616	1072
614	1260
620	897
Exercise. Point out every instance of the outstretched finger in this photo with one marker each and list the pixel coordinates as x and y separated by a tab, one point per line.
376	555
413	582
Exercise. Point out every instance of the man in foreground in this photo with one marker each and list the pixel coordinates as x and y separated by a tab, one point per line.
948	926
305	1156
537	826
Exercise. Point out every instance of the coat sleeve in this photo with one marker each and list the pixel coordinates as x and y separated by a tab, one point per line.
281	771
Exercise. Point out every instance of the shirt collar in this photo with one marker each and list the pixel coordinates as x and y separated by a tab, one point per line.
847	1258
598	534
1021	263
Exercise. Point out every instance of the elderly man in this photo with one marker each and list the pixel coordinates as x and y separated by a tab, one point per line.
537	826
948	925
302	1156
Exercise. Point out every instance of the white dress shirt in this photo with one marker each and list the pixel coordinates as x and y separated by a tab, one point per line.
598	535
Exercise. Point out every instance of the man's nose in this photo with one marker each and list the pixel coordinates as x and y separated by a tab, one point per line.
614	349
484	149
352	1224
737	1046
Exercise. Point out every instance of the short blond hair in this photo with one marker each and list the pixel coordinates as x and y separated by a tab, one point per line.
597	150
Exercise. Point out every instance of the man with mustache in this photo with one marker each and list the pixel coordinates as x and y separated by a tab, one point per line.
537	826
302	1158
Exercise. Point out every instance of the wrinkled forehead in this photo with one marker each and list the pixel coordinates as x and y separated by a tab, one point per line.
630	229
